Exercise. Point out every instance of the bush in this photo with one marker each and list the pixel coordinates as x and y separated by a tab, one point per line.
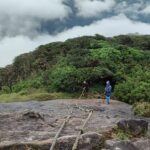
6	89
70	79
24	92
34	82
62	78
132	91
106	54
121	135
142	109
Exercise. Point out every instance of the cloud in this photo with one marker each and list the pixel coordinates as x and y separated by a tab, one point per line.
41	9
24	17
10	47
112	26
146	10
93	8
130	8
13	46
125	7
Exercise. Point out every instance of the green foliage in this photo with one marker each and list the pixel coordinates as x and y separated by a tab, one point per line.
35	82
131	91
35	95
42	96
121	135
136	41
106	54
5	89
63	66
97	89
70	79
79	58
142	109
62	78
136	87
125	135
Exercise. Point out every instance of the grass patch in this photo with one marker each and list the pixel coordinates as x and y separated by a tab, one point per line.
13	97
142	109
39	95
121	135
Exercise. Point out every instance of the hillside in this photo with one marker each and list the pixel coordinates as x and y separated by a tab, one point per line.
63	66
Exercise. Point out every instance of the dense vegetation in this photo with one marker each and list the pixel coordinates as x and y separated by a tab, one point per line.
142	109
63	66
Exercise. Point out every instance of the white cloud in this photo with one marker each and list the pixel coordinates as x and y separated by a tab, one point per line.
24	17
146	10
108	27
93	8
41	9
11	47
124	7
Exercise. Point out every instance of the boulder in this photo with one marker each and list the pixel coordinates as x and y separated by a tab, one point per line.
32	115
88	141
134	127
119	145
142	144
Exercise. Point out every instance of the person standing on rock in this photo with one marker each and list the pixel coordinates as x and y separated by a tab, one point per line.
85	88
108	90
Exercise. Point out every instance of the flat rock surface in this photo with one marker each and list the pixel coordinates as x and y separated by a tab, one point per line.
18	124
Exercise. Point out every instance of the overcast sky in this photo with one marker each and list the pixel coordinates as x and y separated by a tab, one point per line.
26	24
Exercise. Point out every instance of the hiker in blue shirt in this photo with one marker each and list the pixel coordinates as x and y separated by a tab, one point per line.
108	90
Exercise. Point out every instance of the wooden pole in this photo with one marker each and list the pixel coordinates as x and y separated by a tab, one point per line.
58	133
81	131
82	93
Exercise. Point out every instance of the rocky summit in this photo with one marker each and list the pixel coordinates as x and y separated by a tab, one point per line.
33	125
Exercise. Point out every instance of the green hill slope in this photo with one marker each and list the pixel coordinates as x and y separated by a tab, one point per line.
63	66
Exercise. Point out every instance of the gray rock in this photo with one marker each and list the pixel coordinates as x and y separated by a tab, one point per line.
40	126
110	143
143	144
135	127
119	145
88	141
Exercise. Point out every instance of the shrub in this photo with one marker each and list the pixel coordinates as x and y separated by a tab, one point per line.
70	79
133	90
121	135
34	82
142	109
5	89
23	92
